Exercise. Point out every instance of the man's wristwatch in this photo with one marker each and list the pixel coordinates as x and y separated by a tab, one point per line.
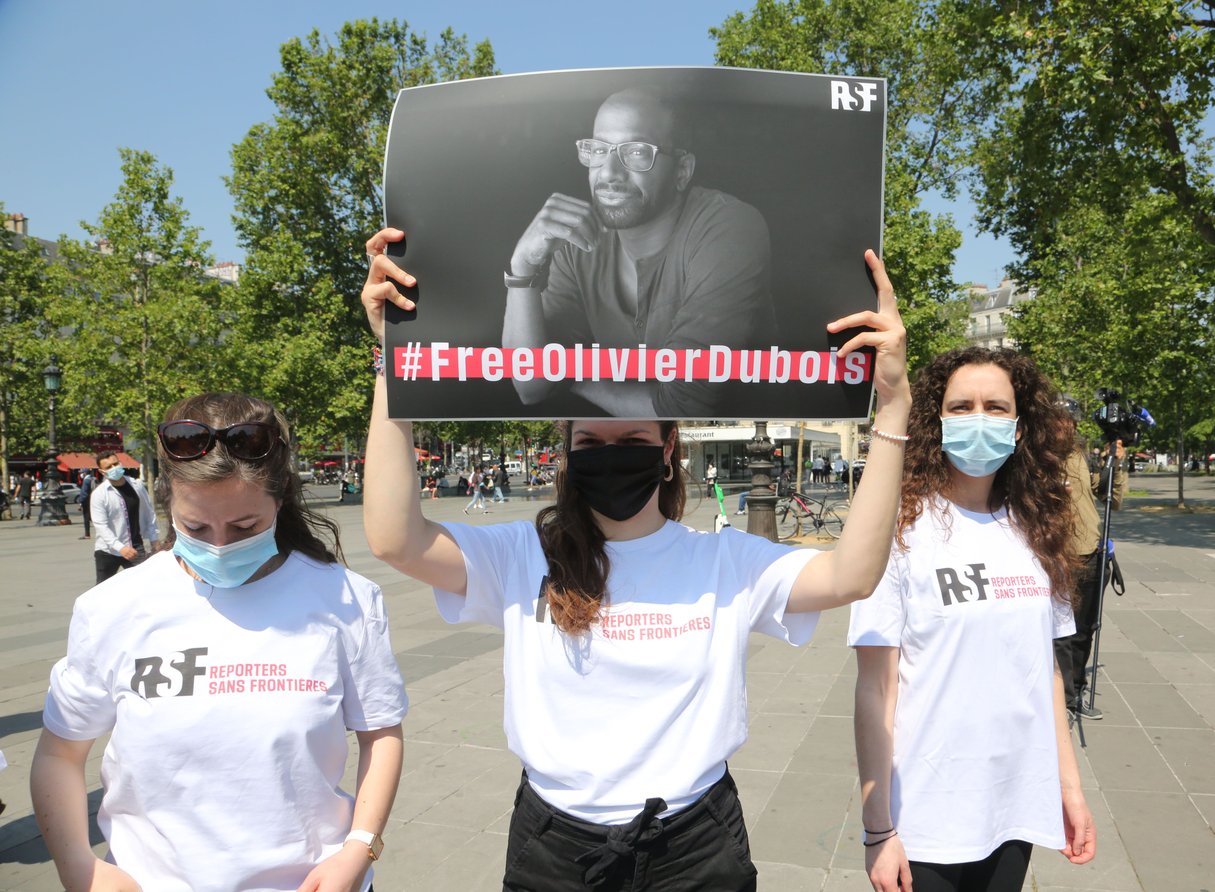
537	280
374	844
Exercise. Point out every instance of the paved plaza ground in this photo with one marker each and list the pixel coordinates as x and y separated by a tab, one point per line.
1148	768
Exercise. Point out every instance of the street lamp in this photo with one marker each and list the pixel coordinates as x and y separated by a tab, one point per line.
53	511
761	500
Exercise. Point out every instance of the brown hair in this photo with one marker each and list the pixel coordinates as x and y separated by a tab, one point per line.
575	546
1031	483
298	527
105	453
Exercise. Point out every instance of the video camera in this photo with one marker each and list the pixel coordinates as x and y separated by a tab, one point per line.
1119	420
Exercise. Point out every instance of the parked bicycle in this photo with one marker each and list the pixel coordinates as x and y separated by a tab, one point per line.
799	514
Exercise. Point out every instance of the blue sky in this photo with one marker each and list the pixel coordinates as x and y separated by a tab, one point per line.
185	81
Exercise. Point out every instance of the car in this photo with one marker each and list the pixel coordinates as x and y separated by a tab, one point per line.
307	475
71	493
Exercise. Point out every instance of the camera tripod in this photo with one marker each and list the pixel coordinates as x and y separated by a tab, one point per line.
1103	568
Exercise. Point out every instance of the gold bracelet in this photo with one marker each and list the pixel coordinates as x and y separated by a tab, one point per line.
898	439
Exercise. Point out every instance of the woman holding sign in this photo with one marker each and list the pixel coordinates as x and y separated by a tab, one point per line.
626	632
962	738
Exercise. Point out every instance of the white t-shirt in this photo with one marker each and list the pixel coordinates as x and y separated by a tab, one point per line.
975	758
653	701
229	710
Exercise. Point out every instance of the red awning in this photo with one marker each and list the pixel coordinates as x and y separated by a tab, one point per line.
76	461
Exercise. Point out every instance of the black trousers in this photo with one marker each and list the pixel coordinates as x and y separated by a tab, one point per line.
1073	651
1002	871
109	564
703	848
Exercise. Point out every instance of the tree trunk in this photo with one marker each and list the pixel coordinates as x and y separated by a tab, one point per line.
1180	459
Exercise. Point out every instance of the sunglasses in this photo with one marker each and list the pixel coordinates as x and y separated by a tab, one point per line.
187	440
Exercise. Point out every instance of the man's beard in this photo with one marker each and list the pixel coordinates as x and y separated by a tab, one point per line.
634	211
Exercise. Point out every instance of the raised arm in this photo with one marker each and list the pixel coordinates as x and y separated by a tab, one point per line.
853	569
563	219
396	529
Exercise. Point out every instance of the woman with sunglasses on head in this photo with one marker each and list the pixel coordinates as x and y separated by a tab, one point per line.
227	671
962	739
626	633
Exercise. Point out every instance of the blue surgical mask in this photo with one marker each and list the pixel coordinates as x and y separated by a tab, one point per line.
978	444
115	473
226	566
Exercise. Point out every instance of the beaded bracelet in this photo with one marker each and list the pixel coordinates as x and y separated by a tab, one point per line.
377	361
898	439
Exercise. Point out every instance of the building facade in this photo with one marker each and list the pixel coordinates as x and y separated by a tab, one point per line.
990	311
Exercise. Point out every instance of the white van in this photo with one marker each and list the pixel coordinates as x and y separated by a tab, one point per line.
514	468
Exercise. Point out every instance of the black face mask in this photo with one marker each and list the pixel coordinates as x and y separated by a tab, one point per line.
616	481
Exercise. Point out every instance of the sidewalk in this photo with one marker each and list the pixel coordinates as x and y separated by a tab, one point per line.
1149	767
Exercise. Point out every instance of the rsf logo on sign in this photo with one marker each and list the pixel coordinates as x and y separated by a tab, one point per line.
848	96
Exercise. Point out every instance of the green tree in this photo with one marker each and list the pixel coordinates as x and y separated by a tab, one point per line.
307	187
1120	305
27	286
143	317
1106	96
1100	174
937	99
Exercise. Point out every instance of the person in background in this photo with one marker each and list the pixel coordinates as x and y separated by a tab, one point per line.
476	486
226	673
1084	482
962	739
499	481
87	484
23	494
124	519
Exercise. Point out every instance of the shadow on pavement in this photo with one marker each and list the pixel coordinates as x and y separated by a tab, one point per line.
33	850
18	722
1150	525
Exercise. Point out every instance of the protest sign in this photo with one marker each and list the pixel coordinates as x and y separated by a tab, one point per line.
634	243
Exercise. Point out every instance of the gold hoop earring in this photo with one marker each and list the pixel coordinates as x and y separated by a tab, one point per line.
670	474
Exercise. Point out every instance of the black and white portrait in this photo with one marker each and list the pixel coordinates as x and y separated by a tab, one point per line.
635	243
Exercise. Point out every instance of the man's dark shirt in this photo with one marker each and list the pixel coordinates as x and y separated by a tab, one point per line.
131	500
710	285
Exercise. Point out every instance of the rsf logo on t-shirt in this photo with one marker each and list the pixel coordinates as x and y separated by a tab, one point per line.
972	584
150	680
174	677
951	584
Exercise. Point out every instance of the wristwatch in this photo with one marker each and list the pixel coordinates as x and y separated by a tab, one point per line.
374	844
537	280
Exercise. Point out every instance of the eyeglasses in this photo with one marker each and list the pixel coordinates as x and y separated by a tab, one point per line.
187	440
635	156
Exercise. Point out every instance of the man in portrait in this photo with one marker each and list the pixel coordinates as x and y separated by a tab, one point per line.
649	259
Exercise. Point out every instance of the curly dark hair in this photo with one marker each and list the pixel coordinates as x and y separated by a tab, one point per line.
1031	484
578	564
